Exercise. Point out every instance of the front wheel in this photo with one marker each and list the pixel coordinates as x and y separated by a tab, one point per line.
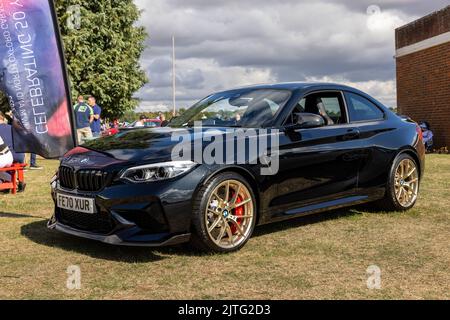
403	185
224	214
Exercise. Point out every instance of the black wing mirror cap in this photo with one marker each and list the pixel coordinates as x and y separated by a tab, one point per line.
307	121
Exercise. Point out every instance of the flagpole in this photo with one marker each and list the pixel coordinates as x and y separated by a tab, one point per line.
174	79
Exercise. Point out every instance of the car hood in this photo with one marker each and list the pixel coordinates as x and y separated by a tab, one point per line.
149	145
81	157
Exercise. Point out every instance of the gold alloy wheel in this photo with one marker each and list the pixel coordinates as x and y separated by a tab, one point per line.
229	215
406	183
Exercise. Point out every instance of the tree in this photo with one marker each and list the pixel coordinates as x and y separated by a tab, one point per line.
103	51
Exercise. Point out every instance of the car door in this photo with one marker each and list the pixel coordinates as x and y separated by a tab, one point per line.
378	144
318	166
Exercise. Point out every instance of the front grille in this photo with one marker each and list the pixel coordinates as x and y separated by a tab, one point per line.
99	223
91	180
83	180
67	178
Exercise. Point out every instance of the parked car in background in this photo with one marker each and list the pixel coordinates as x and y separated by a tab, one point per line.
149	123
110	132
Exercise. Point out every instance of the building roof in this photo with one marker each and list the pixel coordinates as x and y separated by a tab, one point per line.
432	25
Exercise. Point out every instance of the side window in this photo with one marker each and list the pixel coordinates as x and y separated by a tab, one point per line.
333	108
329	105
361	109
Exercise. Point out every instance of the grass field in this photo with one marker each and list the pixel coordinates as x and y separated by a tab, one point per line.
318	257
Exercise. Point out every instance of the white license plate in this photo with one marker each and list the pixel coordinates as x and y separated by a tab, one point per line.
77	204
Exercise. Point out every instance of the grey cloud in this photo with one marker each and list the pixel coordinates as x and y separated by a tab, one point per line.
161	65
234	42
413	7
192	79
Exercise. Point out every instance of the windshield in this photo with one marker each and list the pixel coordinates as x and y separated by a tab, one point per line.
254	108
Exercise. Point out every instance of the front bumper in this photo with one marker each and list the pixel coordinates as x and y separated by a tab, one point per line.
150	215
115	239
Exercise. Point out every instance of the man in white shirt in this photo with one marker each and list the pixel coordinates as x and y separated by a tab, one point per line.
6	160
6	157
141	122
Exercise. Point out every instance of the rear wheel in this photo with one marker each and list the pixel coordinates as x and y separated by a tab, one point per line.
224	214
403	186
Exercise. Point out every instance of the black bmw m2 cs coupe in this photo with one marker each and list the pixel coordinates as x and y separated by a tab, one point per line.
328	146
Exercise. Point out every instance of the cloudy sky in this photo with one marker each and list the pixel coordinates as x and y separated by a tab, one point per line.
230	43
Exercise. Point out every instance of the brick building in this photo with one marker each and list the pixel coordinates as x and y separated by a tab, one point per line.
423	72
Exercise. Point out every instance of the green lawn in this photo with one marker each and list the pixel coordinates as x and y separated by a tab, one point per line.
319	257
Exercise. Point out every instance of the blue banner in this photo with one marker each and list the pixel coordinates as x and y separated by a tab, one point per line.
33	77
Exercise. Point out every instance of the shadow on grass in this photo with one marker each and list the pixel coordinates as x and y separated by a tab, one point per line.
17	216
38	233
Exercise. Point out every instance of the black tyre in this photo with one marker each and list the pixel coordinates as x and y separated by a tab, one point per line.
224	214
403	185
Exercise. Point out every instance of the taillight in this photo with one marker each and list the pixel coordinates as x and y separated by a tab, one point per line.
419	132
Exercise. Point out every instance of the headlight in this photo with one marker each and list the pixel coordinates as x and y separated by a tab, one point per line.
157	171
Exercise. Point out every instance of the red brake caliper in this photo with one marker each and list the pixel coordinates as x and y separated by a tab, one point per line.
239	212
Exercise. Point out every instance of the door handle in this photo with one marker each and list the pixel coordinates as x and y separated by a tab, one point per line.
352	135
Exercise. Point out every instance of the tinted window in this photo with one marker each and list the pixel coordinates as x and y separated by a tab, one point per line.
361	109
333	108
330	105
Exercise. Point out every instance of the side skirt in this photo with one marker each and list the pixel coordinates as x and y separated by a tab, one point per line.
329	205
318	208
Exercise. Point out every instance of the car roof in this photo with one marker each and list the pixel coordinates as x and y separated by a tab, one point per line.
298	86
308	87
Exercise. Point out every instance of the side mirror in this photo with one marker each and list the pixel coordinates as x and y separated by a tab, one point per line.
308	120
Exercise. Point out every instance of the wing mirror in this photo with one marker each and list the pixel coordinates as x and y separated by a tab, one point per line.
307	121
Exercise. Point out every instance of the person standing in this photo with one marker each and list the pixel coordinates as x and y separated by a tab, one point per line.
33	162
84	116
141	122
164	122
96	124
